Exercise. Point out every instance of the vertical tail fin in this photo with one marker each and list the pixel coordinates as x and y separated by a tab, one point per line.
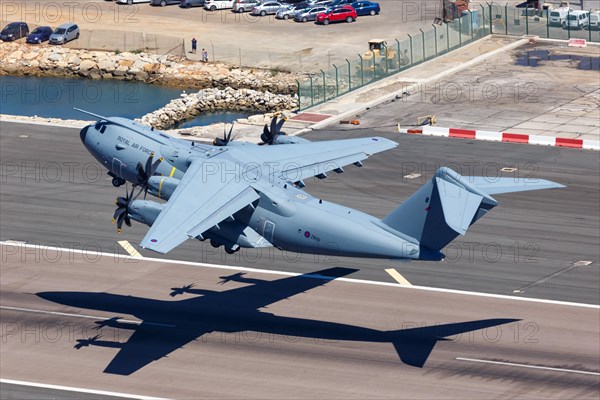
447	205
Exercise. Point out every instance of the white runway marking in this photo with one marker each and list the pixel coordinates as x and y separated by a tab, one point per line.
129	321
275	272
575	371
79	390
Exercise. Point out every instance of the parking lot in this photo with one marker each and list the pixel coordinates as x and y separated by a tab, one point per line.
232	37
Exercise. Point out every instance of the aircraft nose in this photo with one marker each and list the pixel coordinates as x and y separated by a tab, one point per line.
83	133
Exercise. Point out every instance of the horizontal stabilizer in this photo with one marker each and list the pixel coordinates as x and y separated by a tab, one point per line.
510	185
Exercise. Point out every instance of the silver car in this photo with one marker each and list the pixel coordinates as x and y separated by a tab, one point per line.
268	7
64	33
289	11
309	14
241	6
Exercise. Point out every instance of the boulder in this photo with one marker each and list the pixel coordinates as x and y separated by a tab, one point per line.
86	65
16	55
54	57
120	71
107	65
30	56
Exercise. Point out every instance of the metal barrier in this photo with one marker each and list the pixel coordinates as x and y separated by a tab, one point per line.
429	43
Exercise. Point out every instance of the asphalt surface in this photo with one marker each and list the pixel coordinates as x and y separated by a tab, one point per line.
23	392
54	193
255	335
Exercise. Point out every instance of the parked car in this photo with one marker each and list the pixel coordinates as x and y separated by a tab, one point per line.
366	8
595	20
288	11
578	19
192	3
336	3
309	14
558	16
268	7
39	34
132	1
14	31
64	33
164	3
321	2
213	5
241	6
337	14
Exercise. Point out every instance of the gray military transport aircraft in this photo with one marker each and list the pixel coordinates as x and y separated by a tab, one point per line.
240	194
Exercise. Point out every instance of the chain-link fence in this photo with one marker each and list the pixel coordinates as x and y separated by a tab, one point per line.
385	59
388	58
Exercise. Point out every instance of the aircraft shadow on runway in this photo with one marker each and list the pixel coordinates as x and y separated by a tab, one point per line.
169	325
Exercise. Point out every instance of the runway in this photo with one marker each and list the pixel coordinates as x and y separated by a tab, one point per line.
180	331
535	244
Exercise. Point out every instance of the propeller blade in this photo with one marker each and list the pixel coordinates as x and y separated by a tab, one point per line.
120	220
127	220
155	166
273	126
229	134
278	126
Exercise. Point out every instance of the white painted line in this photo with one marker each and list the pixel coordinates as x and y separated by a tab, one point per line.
398	277
508	169
79	390
575	371
412	176
130	321
130	249
284	273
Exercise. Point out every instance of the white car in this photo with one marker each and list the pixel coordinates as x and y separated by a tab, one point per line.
558	16
213	5
132	1
595	20
578	19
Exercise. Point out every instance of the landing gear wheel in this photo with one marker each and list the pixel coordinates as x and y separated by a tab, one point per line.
215	244
229	251
116	182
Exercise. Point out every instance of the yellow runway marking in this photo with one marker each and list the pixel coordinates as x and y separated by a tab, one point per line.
130	249
397	277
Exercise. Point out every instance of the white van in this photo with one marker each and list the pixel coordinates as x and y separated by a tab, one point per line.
578	19
595	20
558	16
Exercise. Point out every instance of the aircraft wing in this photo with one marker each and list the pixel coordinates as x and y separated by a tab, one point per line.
304	160
209	192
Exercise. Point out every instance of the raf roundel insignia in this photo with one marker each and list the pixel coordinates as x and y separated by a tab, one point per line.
307	234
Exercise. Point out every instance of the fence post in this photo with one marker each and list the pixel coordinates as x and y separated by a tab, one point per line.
312	92
374	65
324	86
435	37
298	93
362	71
387	63
491	20
398	54
568	24
447	38
547	23
337	82
527	20
471	23
589	26
506	19
411	50
349	76
423	41
460	31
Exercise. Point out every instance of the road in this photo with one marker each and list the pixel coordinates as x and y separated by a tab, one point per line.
254	335
54	193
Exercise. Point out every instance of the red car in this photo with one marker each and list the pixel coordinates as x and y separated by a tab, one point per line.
343	13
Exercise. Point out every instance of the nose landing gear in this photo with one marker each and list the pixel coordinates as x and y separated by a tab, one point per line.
116	181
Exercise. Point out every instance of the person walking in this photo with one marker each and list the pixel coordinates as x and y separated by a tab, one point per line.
194	45
204	55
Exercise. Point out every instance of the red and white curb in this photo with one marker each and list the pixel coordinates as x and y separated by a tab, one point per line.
503	137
